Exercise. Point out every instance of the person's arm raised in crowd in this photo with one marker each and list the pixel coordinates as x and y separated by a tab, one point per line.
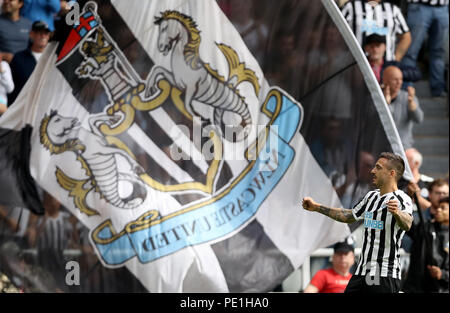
415	112
413	188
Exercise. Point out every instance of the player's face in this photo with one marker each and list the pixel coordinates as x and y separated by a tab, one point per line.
380	173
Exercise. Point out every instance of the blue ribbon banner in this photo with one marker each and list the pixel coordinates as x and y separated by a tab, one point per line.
152	237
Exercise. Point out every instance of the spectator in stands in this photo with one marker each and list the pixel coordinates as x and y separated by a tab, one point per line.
428	271
365	18
281	62
356	190
6	84
24	62
429	19
251	30
324	61
420	182
336	278
41	10
332	150
13	225
14	29
375	49
52	237
403	105
25	276
438	189
418	186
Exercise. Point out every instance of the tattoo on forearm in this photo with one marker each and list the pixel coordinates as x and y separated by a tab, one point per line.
404	220
340	215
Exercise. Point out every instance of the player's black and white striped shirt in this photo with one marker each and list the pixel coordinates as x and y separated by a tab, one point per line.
430	2
382	235
384	19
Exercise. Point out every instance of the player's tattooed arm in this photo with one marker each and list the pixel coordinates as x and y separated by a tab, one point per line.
340	215
403	219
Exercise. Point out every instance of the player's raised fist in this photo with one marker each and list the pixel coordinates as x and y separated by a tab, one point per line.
309	204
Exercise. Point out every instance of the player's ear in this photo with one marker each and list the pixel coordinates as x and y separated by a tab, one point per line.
393	173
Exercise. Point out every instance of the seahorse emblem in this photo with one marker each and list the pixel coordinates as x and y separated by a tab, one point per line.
178	34
60	134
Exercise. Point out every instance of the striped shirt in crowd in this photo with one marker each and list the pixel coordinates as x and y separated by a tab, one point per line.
385	19
382	234
55	234
436	3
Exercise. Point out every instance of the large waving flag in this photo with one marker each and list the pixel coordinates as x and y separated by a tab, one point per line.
182	157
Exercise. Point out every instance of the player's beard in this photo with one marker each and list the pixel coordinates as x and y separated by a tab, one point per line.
377	182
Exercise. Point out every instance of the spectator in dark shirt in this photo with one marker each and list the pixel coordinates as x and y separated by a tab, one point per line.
25	61
428	271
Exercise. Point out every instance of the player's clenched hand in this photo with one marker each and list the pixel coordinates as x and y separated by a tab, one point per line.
309	204
392	206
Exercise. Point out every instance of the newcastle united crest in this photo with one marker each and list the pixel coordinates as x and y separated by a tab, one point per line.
174	132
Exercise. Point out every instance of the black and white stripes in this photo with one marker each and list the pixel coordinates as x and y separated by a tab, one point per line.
384	19
382	235
430	2
55	234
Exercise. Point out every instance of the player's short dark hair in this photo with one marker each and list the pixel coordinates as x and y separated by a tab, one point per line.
444	200
395	162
